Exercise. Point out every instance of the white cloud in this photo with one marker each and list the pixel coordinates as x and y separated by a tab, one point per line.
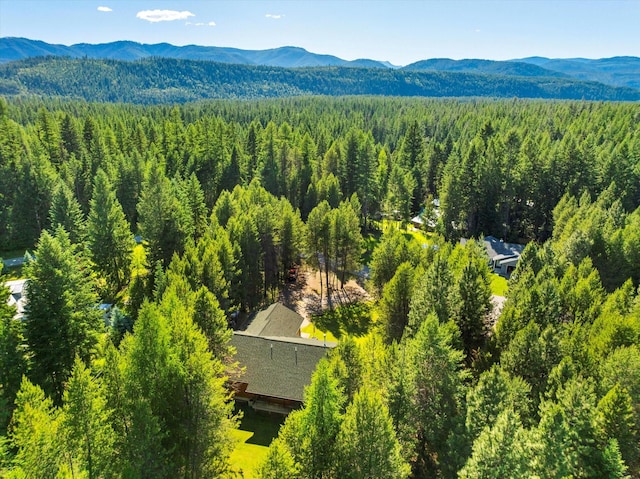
274	16
202	24
104	9
154	16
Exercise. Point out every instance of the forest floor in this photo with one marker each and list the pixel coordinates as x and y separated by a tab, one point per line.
497	303
304	295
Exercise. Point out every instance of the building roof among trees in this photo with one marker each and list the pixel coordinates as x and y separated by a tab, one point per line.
498	249
17	296
276	320
277	367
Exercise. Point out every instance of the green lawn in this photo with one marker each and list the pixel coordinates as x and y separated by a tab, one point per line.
254	435
314	332
353	319
499	285
372	239
422	237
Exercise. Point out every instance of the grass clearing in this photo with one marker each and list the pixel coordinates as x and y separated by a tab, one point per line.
247	457
255	433
352	319
380	227
315	332
422	237
499	285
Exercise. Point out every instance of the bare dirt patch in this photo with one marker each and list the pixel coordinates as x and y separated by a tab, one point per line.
304	296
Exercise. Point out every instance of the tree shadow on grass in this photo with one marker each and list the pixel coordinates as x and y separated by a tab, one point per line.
264	426
351	319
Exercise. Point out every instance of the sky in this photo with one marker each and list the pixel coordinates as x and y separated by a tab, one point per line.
400	31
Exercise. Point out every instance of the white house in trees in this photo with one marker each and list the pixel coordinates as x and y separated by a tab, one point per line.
503	257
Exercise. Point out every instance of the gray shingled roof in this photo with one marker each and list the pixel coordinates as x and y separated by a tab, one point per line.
276	366
496	247
276	320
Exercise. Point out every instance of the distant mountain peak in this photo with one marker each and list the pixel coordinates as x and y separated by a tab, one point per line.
13	48
615	71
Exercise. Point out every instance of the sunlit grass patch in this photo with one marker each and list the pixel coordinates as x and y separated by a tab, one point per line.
253	437
353	319
499	285
315	332
247	457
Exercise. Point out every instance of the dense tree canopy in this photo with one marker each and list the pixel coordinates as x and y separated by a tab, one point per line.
224	199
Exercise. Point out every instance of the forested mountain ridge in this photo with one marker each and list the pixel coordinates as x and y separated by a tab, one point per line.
508	68
19	48
618	71
161	80
615	71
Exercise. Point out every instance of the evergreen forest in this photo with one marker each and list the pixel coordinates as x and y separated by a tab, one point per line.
156	80
180	217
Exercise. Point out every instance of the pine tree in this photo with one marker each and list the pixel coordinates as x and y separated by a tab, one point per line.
367	444
436	369
396	298
138	434
319	425
615	420
470	302
346	237
109	236
164	222
431	293
171	370
495	391
13	362
502	451
87	431
66	212
213	323
61	318
35	433
30	210
248	255
570	446
279	463
318	240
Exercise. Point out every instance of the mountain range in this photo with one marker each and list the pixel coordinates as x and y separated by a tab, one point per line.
616	71
12	48
137	73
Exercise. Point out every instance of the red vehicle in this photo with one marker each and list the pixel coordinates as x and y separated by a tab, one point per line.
292	275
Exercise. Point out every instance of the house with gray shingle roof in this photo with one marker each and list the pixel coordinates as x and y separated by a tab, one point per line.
503	257
275	363
276	320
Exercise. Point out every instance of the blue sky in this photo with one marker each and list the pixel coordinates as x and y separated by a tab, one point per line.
401	31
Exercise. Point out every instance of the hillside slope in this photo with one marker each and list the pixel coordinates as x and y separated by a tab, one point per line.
157	80
510	68
617	71
12	49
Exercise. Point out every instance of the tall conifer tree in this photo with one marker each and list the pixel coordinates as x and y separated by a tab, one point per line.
110	239
61	318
